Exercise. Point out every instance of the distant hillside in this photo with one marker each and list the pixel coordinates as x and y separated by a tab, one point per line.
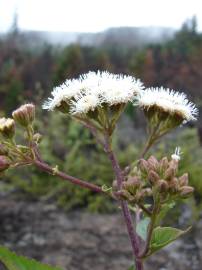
122	36
127	36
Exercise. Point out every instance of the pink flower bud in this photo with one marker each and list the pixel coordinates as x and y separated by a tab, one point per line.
24	115
186	191
174	185
169	173
153	177
143	165
131	185
183	180
163	164
153	163
162	185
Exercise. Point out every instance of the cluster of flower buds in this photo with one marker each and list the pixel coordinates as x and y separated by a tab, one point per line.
162	176
12	154
24	116
133	190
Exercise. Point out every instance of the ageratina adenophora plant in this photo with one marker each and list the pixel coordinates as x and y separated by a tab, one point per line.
145	190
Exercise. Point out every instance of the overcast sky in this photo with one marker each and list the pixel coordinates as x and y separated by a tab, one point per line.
97	15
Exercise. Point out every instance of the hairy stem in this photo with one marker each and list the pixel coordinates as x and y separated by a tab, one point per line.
45	167
124	206
150	231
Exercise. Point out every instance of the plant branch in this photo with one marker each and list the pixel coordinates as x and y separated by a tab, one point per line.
152	138
46	168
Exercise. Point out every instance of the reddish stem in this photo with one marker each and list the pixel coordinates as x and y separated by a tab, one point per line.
125	209
45	167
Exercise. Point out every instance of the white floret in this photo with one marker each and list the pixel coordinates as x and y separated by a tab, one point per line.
177	154
84	103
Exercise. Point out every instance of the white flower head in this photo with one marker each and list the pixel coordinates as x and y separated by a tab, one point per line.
92	89
118	89
64	92
169	101
177	154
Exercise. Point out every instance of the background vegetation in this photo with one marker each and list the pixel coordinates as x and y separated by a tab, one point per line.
29	73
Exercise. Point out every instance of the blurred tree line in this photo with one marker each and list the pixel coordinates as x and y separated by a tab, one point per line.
28	73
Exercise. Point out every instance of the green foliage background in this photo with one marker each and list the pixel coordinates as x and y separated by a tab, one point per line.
28	74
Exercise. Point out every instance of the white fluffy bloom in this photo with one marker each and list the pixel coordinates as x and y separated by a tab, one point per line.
117	89
177	154
64	92
93	89
169	101
84	103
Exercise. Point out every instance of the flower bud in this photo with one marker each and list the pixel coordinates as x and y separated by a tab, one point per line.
162	186
131	185
153	163
124	195
7	127
24	115
174	185
163	164
4	163
183	180
186	191
153	177
143	165
174	164
169	173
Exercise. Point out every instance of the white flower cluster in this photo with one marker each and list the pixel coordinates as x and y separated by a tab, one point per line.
94	89
169	101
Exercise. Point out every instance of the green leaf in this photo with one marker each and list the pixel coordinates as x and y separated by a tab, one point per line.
162	236
142	228
14	262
